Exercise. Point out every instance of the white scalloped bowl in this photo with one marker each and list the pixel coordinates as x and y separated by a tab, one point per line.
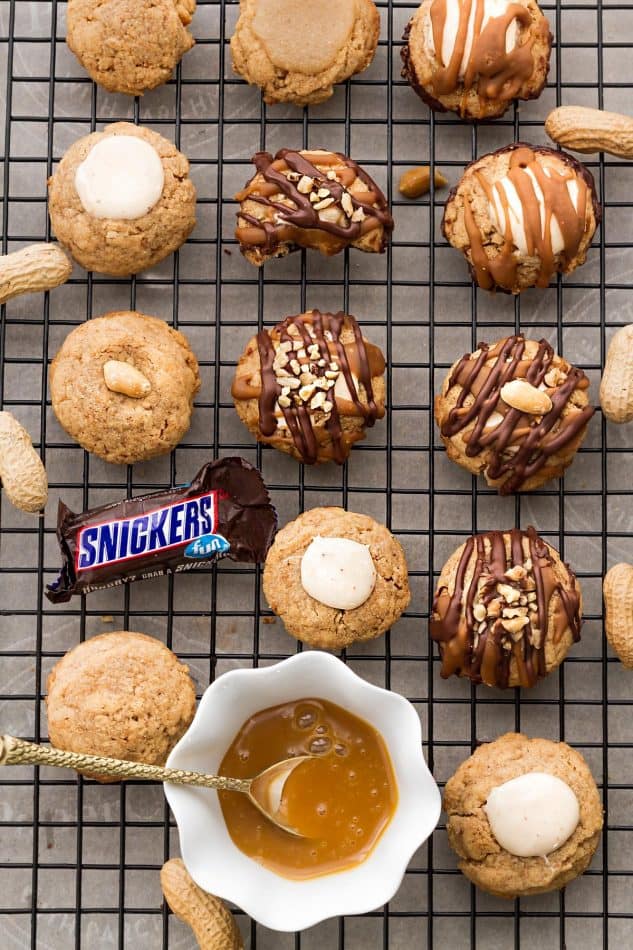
219	867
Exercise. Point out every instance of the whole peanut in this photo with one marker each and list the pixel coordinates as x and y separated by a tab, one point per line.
591	130
616	385
121	377
617	589
34	268
417	181
22	473
212	923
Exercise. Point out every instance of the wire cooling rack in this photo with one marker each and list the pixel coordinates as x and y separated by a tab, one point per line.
79	862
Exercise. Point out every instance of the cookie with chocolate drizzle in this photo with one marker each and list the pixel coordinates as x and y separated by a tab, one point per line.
513	411
476	57
522	214
506	609
311	386
316	199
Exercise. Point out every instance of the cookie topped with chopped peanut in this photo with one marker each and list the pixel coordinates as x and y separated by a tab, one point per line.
316	199
311	386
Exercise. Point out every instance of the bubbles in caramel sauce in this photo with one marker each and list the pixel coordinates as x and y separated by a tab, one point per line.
341	800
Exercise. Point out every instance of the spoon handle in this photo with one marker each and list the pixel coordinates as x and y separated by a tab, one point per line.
19	752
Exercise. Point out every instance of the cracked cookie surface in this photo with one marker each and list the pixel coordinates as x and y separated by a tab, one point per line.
297	50
121	694
117	246
129	46
114	426
313	622
481	857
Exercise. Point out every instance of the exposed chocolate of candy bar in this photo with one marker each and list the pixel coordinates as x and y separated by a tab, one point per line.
224	512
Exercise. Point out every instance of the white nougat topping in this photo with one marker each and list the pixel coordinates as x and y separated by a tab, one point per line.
338	572
516	212
533	814
122	177
492	8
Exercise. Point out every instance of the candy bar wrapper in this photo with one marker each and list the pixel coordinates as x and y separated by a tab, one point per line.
224	512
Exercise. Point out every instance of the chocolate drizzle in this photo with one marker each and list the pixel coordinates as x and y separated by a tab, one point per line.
299	178
301	361
520	443
512	585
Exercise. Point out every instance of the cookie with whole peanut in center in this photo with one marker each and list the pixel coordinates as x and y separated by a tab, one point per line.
522	214
315	199
123	385
475	57
523	815
311	386
296	50
123	695
506	609
515	412
121	200
336	578
129	46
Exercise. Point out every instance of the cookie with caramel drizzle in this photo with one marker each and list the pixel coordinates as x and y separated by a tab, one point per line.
506	609
311	386
522	214
476	57
315	199
515	412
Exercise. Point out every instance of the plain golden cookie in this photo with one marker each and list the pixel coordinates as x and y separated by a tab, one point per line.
506	610
493	78
296	50
482	859
124	695
316	623
114	425
129	45
521	215
123	247
310	386
515	412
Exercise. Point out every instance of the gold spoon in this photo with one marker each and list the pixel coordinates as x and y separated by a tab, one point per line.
264	790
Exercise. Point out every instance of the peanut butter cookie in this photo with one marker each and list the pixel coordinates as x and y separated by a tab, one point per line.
549	799
121	200
316	199
129	45
476	58
506	609
515	412
310	386
123	385
123	695
296	50
522	214
336	578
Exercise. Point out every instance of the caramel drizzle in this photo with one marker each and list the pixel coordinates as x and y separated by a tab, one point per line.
482	656
502	270
302	214
299	418
533	435
501	74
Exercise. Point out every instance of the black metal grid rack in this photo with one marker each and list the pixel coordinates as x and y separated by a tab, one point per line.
79	862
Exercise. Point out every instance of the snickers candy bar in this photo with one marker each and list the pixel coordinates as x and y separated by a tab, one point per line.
224	512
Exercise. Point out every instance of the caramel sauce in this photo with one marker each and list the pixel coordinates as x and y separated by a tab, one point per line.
341	802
